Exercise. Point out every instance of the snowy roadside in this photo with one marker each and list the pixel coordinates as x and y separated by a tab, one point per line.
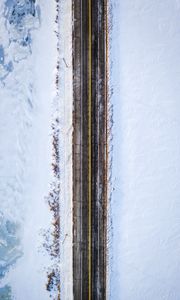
28	93
66	110
146	150
28	277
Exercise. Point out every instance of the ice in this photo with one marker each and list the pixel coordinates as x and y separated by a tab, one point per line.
25	150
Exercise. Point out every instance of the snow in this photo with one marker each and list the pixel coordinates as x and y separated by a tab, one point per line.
66	111
145	244
28	60
29	276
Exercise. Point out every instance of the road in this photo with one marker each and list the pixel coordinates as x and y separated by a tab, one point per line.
90	157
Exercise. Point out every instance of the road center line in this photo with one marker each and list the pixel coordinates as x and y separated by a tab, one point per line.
89	144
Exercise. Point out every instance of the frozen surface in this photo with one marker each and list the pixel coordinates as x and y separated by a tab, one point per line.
146	165
29	103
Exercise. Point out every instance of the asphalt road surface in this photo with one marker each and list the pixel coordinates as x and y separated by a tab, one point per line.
90	157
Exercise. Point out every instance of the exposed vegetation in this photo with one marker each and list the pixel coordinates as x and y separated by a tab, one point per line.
52	243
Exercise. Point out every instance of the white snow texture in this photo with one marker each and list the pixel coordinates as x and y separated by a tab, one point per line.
145	244
28	67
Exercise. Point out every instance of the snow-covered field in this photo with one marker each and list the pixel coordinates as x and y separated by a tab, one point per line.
29	103
145	247
36	150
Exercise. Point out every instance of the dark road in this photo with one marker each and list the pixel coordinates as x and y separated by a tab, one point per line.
90	157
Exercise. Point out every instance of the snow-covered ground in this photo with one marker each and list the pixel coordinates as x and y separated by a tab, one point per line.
66	111
28	61
146	158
